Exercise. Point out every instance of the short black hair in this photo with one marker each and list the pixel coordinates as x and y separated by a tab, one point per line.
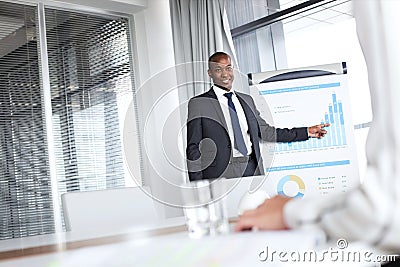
213	57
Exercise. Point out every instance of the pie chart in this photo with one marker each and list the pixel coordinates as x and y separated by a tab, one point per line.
291	178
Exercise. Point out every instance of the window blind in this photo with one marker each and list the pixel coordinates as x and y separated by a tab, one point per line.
91	86
25	191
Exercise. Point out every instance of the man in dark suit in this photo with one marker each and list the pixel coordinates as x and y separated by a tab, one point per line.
224	128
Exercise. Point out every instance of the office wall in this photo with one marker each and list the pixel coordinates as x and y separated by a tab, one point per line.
158	99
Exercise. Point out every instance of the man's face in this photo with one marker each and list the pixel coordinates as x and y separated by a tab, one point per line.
221	72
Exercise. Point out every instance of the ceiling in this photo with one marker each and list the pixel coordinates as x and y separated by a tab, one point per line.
330	13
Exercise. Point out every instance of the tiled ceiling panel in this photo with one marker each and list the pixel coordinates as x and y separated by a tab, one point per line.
330	13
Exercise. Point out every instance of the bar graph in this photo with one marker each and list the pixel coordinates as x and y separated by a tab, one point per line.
336	132
315	167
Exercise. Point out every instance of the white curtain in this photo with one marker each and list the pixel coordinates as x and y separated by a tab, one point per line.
200	28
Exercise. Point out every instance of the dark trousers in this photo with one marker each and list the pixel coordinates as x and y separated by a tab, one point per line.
241	167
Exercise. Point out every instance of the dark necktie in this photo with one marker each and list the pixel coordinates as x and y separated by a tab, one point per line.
237	132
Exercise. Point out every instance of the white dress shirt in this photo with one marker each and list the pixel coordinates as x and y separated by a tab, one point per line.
223	101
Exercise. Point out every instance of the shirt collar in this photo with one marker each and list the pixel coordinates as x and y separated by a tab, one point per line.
220	91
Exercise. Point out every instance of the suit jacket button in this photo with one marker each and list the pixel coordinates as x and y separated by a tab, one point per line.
229	146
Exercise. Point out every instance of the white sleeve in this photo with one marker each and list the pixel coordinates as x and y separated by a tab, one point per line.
369	213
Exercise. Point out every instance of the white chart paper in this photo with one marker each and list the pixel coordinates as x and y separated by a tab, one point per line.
316	166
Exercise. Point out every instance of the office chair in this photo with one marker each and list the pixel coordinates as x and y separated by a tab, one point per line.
106	210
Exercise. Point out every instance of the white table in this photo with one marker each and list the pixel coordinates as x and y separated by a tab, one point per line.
160	246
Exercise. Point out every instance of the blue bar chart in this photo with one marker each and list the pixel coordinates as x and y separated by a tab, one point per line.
315	167
336	131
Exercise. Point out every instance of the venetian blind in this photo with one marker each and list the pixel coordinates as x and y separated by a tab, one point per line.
91	88
25	191
91	81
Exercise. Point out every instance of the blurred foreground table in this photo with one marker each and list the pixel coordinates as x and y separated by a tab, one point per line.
166	244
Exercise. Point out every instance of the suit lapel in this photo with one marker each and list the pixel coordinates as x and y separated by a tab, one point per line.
216	105
244	104
248	112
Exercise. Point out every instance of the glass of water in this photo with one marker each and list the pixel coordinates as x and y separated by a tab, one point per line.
205	207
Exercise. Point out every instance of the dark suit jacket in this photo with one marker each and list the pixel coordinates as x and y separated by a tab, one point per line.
209	148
